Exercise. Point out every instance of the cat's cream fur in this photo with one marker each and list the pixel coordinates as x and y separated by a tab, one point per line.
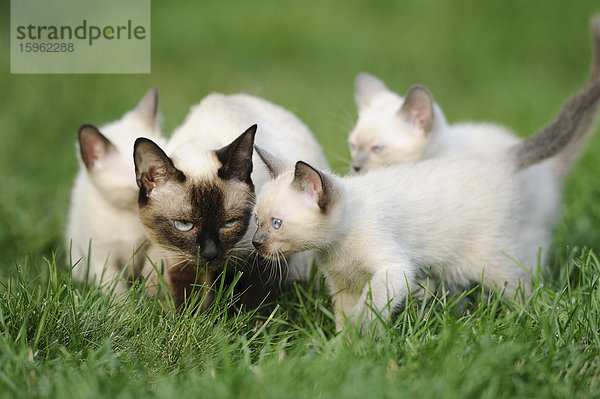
452	218
218	119
392	130
103	227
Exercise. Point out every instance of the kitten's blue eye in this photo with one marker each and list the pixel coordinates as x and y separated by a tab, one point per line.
256	219
230	223
377	149
276	223
183	225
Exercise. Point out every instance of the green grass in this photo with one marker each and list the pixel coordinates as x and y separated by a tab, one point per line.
61	341
510	62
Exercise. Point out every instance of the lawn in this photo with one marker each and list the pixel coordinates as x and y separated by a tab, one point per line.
510	62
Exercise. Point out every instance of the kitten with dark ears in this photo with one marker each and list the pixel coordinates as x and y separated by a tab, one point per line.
103	227
196	196
377	234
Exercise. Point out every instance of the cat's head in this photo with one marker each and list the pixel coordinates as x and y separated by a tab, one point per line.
105	153
390	130
198	217
294	210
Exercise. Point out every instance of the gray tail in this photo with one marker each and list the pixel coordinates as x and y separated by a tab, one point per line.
566	135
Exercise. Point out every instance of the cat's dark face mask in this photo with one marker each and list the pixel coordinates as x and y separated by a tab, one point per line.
197	222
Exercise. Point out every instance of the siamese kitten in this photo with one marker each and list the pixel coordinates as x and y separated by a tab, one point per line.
376	234
104	231
393	130
196	196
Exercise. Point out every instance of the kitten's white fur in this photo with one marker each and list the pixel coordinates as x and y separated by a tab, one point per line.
216	121
403	139
392	130
103	207
454	218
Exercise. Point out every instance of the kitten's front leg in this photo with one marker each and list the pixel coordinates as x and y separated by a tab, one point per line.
344	301
384	291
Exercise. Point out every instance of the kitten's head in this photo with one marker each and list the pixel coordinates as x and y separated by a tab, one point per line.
199	218
293	211
389	130
105	153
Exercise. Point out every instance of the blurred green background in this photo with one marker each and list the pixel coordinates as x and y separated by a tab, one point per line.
512	62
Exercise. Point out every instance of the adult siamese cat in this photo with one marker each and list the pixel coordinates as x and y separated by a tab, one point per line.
104	233
452	218
196	196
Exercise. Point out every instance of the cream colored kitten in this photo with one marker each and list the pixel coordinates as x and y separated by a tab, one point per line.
196	195
457	219
392	130
104	230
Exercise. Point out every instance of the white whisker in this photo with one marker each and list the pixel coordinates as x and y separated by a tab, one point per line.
286	269
174	265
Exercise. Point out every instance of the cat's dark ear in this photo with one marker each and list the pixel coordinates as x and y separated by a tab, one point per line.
147	109
236	158
93	147
418	108
152	167
366	89
274	165
314	183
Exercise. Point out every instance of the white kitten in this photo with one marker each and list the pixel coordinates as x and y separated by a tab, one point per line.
103	218
392	130
196	196
377	234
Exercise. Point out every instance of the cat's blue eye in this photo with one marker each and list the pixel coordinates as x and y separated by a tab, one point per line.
352	146
256	219
276	223
377	149
183	225
230	223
